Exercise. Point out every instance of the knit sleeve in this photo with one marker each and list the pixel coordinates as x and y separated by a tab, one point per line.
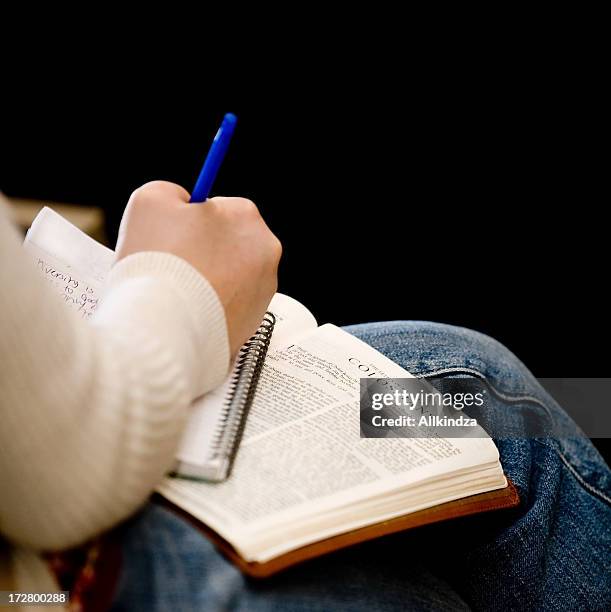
92	411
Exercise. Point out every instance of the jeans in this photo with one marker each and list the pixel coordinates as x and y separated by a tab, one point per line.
552	552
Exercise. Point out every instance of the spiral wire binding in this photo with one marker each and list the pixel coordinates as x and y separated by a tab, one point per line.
242	389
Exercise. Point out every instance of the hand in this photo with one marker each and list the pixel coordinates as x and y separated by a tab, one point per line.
225	239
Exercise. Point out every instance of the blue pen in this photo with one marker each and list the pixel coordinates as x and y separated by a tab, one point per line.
213	162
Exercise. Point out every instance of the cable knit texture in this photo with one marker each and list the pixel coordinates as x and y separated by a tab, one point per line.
92	411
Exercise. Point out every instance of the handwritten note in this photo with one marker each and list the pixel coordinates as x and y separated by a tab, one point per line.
72	262
80	294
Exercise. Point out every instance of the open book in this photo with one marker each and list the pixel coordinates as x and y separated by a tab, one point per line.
304	481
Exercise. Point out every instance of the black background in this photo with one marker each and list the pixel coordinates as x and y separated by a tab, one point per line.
461	192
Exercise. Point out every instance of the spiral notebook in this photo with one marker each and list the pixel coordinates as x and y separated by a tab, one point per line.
77	266
217	420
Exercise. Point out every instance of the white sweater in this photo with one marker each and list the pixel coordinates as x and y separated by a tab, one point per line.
91	411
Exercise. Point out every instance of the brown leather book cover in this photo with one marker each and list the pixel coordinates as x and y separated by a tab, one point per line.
484	502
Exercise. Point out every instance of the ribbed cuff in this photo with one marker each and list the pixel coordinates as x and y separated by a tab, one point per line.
200	300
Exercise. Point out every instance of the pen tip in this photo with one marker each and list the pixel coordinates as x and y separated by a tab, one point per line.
230	118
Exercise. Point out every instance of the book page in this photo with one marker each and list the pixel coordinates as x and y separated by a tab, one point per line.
72	262
292	320
302	454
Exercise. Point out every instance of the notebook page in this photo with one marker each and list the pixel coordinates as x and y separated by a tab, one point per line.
72	262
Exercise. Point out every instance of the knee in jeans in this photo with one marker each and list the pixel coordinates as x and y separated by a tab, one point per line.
425	346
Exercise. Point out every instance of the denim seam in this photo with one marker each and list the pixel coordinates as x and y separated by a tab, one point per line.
503	395
592	489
